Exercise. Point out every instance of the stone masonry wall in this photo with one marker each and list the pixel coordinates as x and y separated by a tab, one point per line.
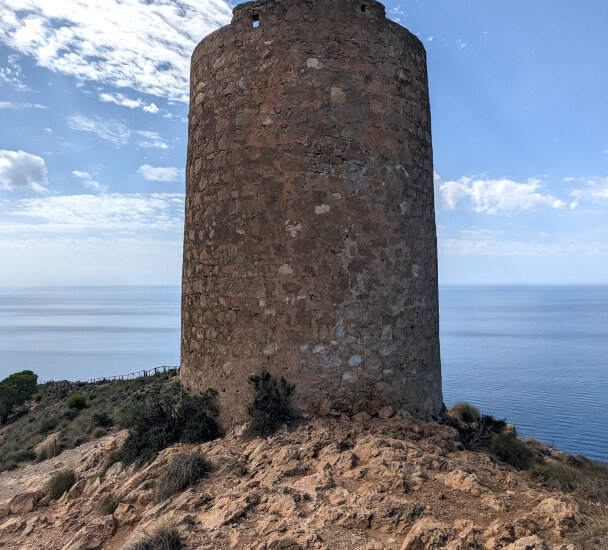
310	245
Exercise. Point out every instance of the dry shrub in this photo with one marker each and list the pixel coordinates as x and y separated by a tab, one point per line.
60	482
183	470
465	412
164	538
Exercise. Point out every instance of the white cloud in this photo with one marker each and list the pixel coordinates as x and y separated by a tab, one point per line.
152	108
123	213
110	130
152	140
141	44
124	101
88	181
497	248
494	195
20	170
160	173
12	74
11	105
595	190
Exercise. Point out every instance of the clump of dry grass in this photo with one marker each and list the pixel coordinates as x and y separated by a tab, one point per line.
165	537
183	470
60	482
465	412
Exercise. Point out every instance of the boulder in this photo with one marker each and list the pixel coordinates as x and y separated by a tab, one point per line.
428	534
77	489
25	502
533	542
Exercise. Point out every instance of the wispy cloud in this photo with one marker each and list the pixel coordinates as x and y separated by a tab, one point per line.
11	105
88	181
494	195
594	190
125	101
97	40
489	246
112	131
152	140
160	173
22	171
116	212
11	73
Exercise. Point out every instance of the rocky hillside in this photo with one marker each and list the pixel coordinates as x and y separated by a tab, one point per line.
325	483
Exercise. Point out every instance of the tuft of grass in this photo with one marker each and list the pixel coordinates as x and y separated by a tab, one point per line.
60	482
183	470
108	504
164	416
465	412
593	534
46	452
164	538
578	474
478	435
270	406
76	401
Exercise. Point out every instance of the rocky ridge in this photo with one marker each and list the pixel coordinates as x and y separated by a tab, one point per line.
335	483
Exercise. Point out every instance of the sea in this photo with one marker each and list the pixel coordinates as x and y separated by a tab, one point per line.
536	356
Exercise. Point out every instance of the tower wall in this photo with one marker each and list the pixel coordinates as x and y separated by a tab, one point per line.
310	244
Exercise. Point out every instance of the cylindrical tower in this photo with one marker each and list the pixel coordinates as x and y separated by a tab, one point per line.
310	245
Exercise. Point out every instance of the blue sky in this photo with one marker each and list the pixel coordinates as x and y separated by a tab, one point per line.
93	107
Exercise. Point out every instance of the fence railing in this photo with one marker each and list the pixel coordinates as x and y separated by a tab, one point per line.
133	375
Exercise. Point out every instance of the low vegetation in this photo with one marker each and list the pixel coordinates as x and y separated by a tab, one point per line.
60	482
34	420
164	415
14	391
108	504
465	413
164	538
76	401
183	470
270	406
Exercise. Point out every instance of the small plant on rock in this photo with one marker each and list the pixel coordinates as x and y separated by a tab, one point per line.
60	482
103	420
270	407
108	504
183	470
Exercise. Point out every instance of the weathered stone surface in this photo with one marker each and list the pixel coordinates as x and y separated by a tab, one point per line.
428	534
25	502
310	245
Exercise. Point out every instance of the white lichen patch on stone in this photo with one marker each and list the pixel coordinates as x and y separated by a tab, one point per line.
313	63
322	209
285	269
337	95
270	348
319	348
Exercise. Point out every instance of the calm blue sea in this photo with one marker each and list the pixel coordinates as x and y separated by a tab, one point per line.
537	356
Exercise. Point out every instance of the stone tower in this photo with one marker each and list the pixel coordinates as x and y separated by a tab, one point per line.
310	245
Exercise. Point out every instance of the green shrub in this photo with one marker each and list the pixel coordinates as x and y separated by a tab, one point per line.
183	470
108	504
465	412
15	390
71	414
37	397
47	426
270	406
60	482
76	401
167	415
103	420
164	538
510	449
25	455
478	435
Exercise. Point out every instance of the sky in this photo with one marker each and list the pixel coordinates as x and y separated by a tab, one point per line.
93	135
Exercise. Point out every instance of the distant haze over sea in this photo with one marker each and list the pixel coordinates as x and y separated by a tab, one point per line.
535	355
